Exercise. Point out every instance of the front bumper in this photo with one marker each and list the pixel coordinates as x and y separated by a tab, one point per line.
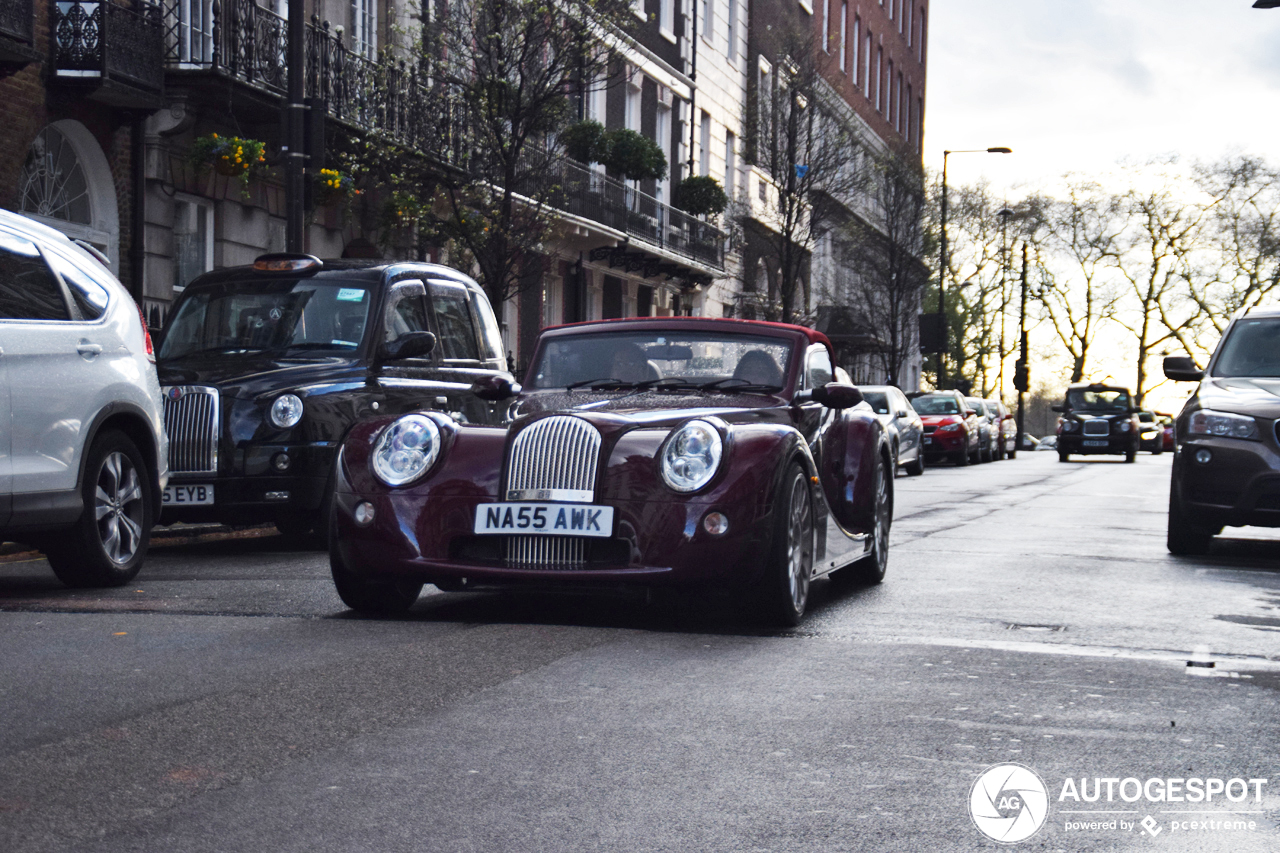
1113	444
939	442
653	544
1239	484
250	490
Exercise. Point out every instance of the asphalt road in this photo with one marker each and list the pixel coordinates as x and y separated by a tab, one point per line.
226	701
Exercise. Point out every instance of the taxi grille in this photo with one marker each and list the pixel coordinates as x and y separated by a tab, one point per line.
558	454
191	421
1096	427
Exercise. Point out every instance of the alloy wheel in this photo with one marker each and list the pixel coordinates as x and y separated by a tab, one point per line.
118	508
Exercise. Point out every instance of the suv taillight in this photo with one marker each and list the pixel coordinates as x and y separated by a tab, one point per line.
146	336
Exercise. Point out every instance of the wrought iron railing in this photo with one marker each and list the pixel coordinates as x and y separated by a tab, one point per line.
102	38
592	195
17	20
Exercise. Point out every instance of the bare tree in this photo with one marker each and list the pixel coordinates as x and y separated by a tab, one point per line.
1076	240
807	140
885	254
1242	239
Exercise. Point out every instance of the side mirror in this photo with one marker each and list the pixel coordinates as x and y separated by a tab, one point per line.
1058	407
411	345
495	388
1180	368
836	395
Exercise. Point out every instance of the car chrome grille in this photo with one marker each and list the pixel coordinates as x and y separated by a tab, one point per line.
554	459
191	420
546	552
1096	427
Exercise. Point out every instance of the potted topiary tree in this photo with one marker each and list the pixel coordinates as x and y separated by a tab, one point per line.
700	195
635	156
586	142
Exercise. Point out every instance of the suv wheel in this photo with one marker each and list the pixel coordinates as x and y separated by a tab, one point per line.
1184	538
107	545
1063	456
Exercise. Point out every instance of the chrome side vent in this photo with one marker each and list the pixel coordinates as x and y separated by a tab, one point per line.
554	459
546	552
192	419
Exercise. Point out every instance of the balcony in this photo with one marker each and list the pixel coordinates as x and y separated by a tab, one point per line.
113	50
17	34
616	205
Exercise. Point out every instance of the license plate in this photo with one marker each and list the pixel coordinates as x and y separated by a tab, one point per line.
188	495
1095	444
546	519
928	440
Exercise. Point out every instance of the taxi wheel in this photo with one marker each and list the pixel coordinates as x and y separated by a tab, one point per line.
373	596
786	589
1131	456
1063	456
107	545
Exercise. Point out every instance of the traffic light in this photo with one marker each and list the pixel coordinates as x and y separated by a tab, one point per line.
1021	378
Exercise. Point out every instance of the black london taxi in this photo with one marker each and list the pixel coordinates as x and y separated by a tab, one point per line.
264	369
1097	418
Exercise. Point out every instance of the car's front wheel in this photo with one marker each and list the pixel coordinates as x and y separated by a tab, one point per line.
107	545
1184	538
786	588
1063	456
374	596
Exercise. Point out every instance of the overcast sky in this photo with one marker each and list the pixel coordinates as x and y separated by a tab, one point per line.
1076	85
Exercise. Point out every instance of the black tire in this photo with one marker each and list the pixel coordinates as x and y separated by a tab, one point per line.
975	458
916	468
309	531
1130	456
871	568
372	596
786	585
1013	454
961	458
985	453
107	545
1158	451
1184	538
1063	456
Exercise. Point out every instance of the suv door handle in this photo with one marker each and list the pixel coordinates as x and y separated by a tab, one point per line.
88	350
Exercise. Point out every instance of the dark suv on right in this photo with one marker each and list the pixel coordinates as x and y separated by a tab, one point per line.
1226	467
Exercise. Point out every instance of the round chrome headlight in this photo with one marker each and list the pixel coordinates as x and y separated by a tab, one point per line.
406	449
691	456
286	411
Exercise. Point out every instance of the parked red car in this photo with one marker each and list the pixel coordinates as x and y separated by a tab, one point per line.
1169	437
1007	445
950	427
673	452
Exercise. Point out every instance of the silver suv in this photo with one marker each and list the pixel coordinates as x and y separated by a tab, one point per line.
82	445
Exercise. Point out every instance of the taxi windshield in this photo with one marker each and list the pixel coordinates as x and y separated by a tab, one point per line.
1104	400
291	317
664	358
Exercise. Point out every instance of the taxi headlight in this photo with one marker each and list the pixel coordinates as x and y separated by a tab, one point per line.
691	456
1224	425
286	411
406	449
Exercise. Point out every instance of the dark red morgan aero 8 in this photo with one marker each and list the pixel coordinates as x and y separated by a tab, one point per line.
654	452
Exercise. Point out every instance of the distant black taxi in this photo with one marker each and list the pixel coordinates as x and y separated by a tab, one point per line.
1097	418
264	369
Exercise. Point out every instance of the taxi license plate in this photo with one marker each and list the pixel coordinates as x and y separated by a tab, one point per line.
201	495
1095	444
545	519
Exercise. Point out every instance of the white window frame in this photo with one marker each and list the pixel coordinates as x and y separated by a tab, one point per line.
666	20
826	26
194	204
364	28
730	165
704	142
731	49
844	33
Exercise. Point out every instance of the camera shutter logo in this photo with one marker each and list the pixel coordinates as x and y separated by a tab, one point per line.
1008	803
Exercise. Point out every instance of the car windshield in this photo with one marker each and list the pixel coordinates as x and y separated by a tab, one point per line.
1106	400
667	358
940	405
877	400
1252	349
1146	417
288	317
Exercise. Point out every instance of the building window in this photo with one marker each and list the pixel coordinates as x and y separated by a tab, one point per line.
897	106
704	154
909	123
921	34
732	50
192	240
910	25
857	41
826	25
730	165
662	130
899	2
704	27
364	27
889	104
666	19
866	67
195	31
844	27
880	105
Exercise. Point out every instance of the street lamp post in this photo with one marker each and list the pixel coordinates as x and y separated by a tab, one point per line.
942	259
1021	373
